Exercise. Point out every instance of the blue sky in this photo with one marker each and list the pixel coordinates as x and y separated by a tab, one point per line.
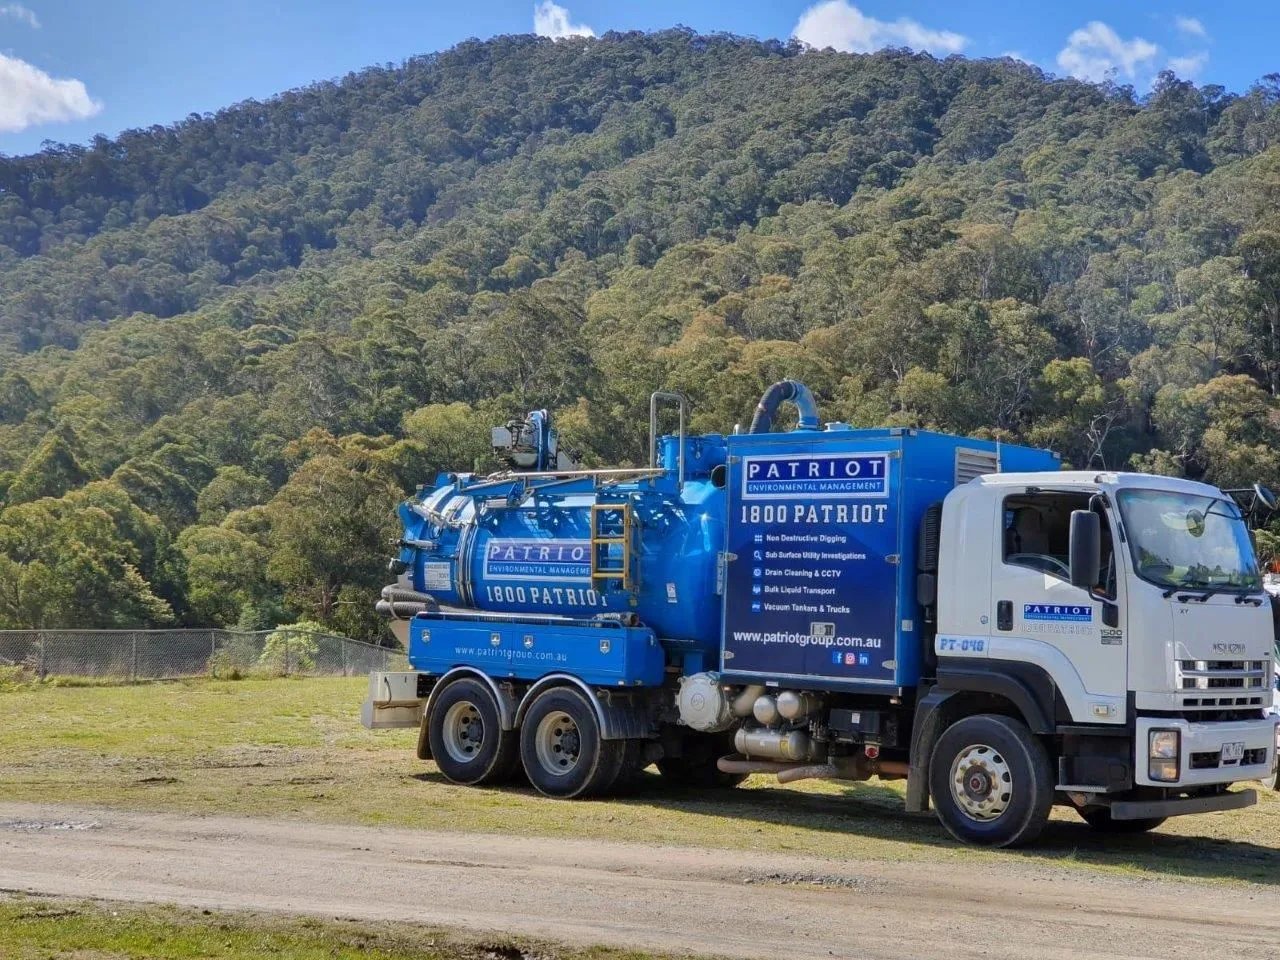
70	69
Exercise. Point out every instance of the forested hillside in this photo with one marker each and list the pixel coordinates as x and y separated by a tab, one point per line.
229	346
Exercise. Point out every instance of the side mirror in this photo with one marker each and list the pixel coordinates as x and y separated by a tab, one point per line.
1085	548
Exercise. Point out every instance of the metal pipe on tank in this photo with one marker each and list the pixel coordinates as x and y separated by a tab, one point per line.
744	702
683	403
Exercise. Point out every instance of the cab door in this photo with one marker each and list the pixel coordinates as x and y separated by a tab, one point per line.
1039	617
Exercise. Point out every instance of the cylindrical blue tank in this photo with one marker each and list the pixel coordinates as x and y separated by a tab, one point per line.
522	544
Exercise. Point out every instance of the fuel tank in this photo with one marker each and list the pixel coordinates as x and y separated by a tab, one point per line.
637	544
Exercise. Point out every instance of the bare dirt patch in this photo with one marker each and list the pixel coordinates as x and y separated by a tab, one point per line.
653	897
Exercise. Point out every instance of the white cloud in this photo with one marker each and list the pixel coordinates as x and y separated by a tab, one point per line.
552	20
20	13
1190	26
1095	52
839	24
1189	66
29	96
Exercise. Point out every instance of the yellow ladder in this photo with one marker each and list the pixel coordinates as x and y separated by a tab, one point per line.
610	526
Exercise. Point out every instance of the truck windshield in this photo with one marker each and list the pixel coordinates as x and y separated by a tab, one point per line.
1184	540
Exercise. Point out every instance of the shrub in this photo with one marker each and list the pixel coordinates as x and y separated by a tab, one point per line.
292	648
13	677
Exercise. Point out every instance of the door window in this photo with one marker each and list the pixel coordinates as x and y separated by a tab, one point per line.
1037	534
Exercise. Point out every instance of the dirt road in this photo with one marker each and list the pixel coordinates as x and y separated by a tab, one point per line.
661	898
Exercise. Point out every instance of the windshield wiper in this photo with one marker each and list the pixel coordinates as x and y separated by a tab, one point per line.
1202	590
1209	590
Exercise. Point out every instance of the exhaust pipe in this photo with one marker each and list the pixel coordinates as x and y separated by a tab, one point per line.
860	769
848	768
745	702
741	765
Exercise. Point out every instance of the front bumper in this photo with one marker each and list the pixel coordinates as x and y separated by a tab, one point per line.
1142	809
1199	742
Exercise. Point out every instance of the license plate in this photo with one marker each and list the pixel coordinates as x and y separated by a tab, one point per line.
1232	752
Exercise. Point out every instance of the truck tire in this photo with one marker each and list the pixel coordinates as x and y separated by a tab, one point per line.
1272	780
696	765
1099	818
562	750
468	743
991	781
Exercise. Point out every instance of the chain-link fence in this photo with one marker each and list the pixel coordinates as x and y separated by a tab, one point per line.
170	654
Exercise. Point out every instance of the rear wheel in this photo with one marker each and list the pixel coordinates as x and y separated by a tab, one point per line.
562	750
696	765
991	782
468	743
1100	819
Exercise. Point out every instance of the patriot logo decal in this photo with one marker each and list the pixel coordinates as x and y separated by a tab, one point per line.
1058	612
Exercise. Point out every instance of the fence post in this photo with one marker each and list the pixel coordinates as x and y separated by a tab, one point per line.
213	651
42	671
133	672
286	655
343	645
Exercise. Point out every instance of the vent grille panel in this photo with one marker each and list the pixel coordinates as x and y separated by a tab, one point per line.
974	463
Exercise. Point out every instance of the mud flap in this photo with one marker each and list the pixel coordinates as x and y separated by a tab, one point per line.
925	730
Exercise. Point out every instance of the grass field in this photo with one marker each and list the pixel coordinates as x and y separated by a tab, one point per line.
295	748
39	929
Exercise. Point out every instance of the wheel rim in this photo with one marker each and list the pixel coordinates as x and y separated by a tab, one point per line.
463	732
981	783
558	743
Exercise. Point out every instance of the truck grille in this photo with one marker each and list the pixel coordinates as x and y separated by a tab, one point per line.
1212	759
1219	684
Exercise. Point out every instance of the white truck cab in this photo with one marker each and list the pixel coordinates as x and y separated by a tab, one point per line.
1126	612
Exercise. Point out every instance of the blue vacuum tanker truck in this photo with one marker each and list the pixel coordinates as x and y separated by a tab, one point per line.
840	603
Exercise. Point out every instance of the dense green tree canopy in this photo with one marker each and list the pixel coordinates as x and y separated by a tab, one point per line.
227	346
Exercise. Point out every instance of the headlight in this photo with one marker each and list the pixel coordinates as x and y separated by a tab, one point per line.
1164	750
1164	744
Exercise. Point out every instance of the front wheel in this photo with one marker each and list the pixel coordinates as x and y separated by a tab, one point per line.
1272	780
468	743
991	781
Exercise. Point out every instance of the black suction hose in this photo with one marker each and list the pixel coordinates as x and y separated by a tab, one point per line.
401	603
780	393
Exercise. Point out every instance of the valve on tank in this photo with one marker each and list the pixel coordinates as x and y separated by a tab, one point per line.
531	444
